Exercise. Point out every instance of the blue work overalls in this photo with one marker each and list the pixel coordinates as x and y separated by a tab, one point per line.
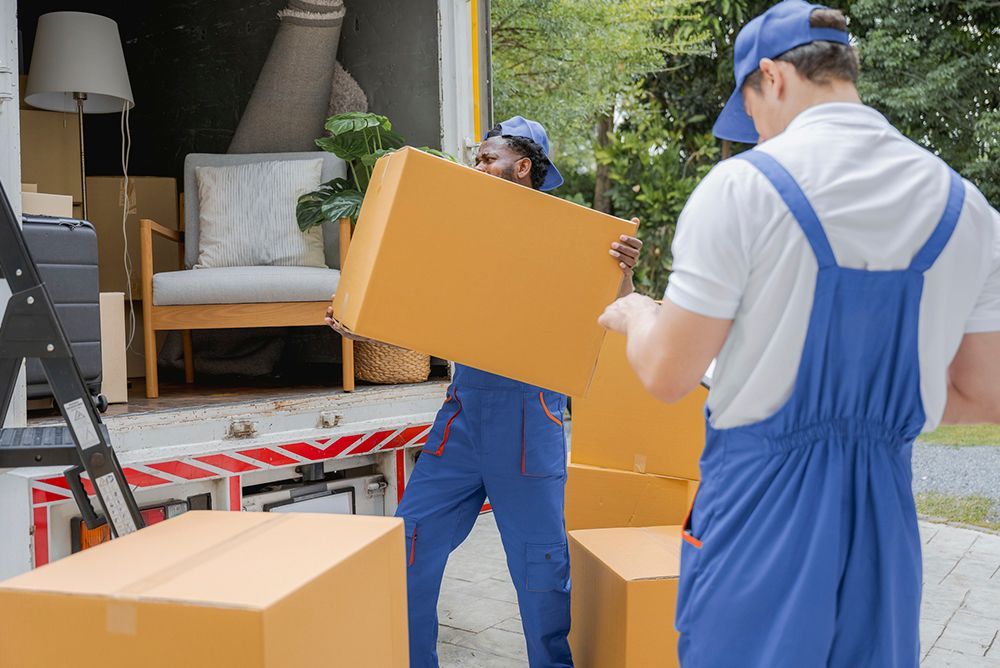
504	439
802	547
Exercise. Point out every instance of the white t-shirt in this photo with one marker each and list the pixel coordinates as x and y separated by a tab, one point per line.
739	254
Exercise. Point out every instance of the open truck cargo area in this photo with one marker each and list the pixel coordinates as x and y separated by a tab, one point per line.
270	446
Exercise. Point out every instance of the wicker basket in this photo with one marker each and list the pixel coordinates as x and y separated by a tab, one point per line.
388	365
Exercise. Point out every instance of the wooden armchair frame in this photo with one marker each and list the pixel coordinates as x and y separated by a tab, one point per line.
221	316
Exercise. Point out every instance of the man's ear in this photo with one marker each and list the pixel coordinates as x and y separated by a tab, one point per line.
523	168
773	76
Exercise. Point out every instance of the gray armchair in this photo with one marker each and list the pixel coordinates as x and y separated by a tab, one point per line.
236	297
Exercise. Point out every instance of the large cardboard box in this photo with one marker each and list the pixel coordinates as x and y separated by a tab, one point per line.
151	197
114	381
472	268
624	597
619	425
47	204
598	498
220	590
50	153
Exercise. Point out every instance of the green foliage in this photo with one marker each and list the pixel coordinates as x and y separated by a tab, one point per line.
359	139
931	68
654	162
564	62
662	143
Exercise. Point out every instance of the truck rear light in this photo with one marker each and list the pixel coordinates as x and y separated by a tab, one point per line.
83	537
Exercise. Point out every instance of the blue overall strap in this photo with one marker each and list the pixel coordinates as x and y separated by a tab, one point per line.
927	255
797	203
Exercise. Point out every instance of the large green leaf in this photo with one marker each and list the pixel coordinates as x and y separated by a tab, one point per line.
370	159
346	204
316	208
349	146
355	121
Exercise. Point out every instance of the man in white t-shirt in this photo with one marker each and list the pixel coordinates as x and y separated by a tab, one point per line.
848	283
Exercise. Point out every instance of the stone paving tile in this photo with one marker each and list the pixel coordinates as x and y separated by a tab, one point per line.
472	613
513	625
494	641
477	569
942	658
969	634
454	656
499	589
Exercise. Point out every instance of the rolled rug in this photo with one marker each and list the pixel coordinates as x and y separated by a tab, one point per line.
289	102
345	93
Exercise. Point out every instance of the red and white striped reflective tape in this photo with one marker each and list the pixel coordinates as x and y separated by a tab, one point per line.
54	489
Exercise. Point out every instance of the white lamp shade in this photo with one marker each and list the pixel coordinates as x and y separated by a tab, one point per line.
78	53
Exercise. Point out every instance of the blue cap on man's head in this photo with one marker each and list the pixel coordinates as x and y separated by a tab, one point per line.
781	28
518	126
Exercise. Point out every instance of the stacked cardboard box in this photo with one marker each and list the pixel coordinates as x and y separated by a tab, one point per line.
218	589
633	474
50	154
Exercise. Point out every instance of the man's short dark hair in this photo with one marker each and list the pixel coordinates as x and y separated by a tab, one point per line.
819	62
526	148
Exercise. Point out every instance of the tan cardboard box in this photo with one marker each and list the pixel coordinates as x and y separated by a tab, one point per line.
151	197
472	268
619	425
50	153
624	597
599	498
114	381
219	589
47	204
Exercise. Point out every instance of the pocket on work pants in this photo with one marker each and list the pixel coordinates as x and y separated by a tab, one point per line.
547	567
543	439
437	439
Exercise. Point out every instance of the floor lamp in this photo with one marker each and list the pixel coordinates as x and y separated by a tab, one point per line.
78	65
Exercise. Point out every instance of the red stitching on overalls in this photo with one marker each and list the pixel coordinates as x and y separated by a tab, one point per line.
686	527
541	400
447	427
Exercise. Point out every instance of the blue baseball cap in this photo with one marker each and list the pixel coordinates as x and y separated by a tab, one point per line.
519	126
781	28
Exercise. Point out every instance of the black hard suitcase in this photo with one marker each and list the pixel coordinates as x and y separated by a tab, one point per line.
65	251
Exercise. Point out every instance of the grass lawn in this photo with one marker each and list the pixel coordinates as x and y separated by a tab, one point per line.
974	510
964	434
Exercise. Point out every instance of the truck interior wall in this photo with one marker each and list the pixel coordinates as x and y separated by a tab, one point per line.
193	65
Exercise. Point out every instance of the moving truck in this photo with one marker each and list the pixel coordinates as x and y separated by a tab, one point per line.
291	448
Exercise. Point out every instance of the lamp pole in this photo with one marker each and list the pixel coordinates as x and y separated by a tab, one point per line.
80	99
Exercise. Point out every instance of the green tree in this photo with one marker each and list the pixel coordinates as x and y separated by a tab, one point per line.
932	68
662	145
565	62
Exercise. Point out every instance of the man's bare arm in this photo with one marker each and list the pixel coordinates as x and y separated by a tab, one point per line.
974	381
668	346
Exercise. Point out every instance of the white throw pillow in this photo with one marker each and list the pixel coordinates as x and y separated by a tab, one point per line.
247	215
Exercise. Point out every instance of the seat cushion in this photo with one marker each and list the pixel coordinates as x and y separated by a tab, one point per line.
244	285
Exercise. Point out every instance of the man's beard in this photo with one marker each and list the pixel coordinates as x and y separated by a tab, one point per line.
509	175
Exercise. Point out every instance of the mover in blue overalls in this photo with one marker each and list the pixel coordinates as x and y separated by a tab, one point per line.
802	548
504	439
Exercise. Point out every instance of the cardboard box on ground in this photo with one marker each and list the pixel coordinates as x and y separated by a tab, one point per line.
633	476
472	268
220	589
635	571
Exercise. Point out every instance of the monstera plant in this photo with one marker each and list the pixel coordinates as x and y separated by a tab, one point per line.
359	139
